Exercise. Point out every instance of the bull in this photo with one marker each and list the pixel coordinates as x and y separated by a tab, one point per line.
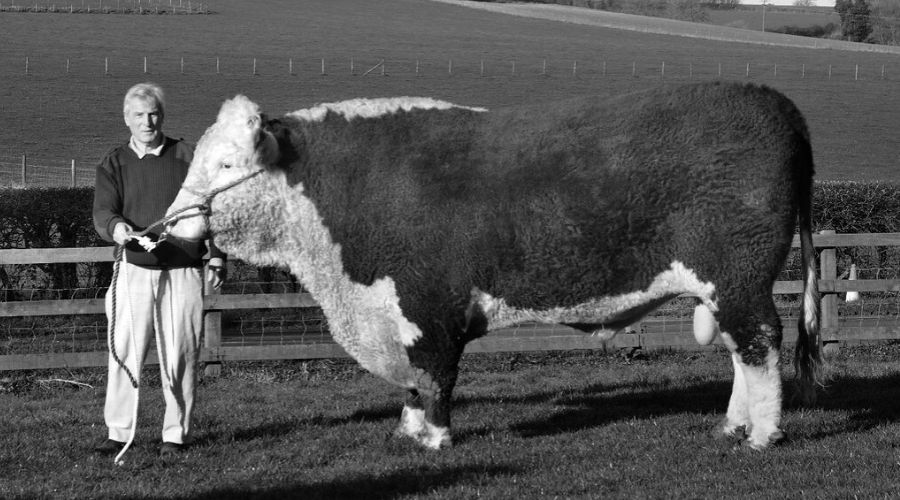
419	225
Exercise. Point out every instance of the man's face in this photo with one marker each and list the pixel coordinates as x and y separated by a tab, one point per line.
145	120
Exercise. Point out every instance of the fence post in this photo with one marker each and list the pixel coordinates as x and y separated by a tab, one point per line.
212	328
73	173
24	166
828	311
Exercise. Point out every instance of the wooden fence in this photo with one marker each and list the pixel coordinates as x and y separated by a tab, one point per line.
677	334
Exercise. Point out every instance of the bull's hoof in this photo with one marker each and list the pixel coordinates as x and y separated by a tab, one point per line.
730	432
761	444
414	425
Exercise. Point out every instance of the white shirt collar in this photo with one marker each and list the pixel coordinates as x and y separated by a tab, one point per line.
141	152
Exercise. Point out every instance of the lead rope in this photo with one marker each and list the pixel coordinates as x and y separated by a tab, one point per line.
120	257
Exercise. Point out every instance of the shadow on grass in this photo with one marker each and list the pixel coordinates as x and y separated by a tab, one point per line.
285	426
870	402
396	484
591	406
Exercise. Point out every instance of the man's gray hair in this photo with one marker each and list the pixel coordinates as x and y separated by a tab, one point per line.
149	92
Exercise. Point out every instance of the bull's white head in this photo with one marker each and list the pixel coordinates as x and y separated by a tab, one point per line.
231	152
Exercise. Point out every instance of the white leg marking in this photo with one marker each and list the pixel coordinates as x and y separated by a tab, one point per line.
436	437
705	325
414	425
738	414
764	401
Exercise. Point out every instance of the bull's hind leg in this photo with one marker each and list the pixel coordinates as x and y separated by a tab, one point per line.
756	396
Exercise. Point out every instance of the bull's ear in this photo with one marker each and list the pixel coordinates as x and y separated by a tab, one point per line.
267	147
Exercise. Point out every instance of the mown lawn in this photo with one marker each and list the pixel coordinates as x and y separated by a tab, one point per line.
567	425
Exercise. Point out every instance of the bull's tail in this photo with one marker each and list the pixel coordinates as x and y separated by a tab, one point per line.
808	354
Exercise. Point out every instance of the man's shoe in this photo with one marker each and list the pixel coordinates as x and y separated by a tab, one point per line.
168	449
109	447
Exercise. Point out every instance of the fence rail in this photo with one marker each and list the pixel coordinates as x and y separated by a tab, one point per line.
653	333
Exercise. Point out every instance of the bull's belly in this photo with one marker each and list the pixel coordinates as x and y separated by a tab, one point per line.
604	315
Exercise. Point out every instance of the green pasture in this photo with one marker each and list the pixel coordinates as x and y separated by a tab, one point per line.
68	104
576	425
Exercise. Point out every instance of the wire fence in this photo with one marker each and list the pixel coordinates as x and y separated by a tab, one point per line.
25	171
268	66
106	6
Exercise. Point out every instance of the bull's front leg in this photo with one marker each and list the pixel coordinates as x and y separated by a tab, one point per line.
426	419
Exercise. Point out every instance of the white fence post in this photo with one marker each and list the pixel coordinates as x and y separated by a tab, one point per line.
24	167
73	173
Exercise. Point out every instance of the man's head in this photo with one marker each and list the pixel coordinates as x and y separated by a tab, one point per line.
144	110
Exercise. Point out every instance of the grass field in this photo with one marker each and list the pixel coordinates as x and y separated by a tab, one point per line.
49	113
576	425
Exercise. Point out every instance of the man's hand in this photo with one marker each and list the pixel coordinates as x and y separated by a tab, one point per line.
216	272
122	233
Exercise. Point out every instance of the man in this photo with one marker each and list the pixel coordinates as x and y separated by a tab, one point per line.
158	286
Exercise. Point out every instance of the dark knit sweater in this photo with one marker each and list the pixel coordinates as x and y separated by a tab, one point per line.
138	191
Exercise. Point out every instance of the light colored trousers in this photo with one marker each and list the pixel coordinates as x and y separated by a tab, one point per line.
169	303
